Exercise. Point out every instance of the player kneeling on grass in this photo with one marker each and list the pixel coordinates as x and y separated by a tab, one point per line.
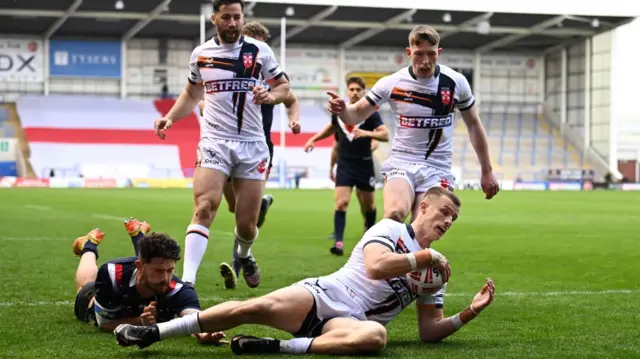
139	290
344	312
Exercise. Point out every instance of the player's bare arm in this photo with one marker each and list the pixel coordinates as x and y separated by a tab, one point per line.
188	99
293	111
434	327
279	90
379	134
327	131
381	263
351	114
480	144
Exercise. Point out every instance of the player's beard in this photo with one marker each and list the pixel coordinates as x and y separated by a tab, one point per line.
229	36
157	288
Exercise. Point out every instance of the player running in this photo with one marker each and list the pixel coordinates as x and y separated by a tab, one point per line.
259	32
355	163
423	98
231	69
343	313
139	290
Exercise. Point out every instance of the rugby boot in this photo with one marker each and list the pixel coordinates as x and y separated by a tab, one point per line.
95	236
229	275
247	344
142	336
267	201
250	270
134	227
337	249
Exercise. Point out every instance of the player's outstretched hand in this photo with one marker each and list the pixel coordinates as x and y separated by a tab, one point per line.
484	296
149	314
489	185
261	95
161	125
309	146
211	338
336	103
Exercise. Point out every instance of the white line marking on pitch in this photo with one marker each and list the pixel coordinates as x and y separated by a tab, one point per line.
218	299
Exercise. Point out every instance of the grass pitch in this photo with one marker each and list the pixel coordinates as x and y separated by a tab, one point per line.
565	265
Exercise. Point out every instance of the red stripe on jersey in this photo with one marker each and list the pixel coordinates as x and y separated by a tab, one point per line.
172	286
118	274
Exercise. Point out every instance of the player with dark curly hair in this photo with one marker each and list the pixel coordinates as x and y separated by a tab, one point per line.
138	290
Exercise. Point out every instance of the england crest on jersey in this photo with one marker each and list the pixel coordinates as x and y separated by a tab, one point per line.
445	95
247	60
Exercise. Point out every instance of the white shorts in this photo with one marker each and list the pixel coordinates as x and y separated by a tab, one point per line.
419	176
237	159
331	300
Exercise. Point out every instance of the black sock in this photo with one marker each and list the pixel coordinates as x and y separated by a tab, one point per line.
90	247
135	240
339	222
370	218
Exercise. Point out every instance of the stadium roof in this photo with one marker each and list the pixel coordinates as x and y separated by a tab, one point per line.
308	24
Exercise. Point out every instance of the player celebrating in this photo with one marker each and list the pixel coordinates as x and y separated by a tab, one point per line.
355	163
137	290
230	68
423	97
343	313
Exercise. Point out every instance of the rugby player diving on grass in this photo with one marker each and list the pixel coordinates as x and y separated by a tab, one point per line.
138	290
343	313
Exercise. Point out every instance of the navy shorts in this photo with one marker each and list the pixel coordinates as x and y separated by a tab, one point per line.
81	308
356	173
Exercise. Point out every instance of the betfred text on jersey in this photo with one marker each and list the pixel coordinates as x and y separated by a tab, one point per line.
230	85
426	122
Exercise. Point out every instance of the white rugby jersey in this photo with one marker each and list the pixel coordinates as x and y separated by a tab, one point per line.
383	300
228	73
424	110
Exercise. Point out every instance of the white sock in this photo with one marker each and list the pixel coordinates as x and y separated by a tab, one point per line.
195	245
244	246
187	325
295	346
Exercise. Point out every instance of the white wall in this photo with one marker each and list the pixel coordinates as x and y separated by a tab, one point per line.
625	75
600	134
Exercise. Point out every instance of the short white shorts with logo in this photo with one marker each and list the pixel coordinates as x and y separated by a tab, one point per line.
331	300
237	159
419	176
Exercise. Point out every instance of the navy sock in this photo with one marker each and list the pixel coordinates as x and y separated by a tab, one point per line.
339	222
135	240
90	247
370	218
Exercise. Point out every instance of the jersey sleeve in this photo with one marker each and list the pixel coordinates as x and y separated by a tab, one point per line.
465	95
380	93
270	67
383	232
185	298
107	303
436	299
194	69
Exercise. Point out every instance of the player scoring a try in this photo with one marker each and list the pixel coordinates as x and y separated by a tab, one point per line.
423	98
230	69
344	312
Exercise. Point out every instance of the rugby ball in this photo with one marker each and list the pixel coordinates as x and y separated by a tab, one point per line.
425	281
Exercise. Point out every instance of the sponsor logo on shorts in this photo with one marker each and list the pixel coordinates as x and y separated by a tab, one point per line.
230	85
425	122
444	183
